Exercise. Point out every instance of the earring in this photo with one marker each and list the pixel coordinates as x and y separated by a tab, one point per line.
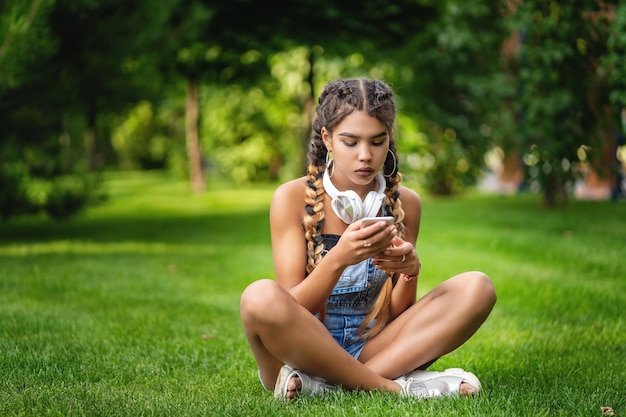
329	164
395	165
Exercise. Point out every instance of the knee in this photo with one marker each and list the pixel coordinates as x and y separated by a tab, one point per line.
480	291
263	301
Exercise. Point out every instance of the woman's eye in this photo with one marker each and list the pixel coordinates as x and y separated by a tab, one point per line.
349	143
381	143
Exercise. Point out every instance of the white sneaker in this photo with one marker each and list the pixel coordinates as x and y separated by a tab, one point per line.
432	384
311	385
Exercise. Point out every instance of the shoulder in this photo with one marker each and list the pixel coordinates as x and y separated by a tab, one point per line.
410	198
288	200
291	190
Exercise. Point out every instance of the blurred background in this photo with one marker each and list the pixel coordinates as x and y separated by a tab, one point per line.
506	96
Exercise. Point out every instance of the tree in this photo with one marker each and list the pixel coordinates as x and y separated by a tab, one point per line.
104	61
86	64
457	91
565	100
23	28
209	42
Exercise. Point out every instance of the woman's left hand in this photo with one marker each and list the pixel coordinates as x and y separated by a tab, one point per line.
399	257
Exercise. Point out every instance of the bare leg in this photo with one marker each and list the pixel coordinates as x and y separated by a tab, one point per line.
279	330
437	324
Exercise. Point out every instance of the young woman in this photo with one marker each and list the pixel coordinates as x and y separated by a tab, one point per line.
342	310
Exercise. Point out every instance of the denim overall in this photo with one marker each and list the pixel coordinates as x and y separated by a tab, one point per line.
351	300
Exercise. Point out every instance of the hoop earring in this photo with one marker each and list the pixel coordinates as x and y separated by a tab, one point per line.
329	164
395	165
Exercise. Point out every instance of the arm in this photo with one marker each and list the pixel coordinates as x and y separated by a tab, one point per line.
289	248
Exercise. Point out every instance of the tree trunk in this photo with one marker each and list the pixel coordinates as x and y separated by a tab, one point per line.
554	192
90	138
511	178
194	155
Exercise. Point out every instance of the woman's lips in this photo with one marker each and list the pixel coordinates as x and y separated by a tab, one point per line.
364	172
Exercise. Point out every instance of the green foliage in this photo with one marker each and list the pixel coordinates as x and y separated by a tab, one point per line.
456	95
237	135
139	141
39	170
218	42
565	95
24	40
61	196
14	197
260	133
448	173
69	194
262	141
613	62
76	79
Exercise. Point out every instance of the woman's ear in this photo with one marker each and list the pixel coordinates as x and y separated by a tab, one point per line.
327	139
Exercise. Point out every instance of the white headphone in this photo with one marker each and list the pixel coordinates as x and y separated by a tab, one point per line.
348	206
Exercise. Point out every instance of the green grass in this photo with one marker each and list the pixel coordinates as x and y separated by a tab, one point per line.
132	308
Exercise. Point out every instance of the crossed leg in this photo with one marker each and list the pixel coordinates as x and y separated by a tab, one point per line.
435	325
280	331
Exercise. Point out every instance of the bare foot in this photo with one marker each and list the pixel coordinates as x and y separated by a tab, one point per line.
294	386
466	389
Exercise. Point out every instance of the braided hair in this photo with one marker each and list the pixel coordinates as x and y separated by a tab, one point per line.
339	99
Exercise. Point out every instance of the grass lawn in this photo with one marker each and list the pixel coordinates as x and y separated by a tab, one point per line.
132	308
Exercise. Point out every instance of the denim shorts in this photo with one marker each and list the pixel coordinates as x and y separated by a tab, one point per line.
350	301
345	331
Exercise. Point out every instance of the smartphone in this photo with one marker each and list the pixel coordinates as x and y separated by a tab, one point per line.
366	221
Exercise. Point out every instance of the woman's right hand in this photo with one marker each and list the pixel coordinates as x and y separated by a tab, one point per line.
360	242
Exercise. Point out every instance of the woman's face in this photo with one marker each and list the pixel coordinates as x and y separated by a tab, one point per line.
359	145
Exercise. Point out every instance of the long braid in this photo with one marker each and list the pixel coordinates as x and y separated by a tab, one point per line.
313	222
339	99
335	102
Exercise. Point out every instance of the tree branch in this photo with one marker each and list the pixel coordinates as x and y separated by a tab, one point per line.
29	19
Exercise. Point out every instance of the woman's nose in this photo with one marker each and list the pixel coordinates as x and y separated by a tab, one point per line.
365	154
